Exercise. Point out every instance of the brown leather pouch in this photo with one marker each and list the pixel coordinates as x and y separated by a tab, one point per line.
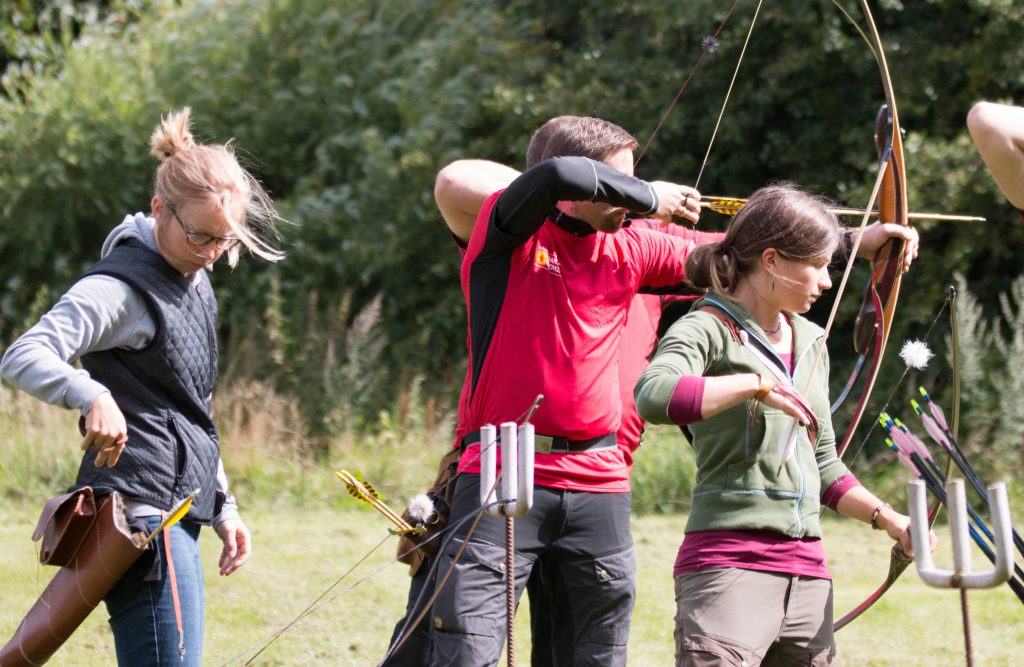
63	525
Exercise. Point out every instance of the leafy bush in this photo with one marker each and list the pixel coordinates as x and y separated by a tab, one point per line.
347	109
992	351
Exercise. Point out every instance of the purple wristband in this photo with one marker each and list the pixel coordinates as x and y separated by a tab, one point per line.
684	406
838	489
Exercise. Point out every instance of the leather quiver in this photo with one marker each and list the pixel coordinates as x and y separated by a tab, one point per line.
106	553
63	525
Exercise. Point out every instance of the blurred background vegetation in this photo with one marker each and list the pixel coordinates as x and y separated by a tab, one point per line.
354	345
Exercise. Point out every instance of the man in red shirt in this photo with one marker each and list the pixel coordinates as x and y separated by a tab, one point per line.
549	276
462	188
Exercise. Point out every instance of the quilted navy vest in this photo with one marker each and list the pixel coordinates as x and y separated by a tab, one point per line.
163	390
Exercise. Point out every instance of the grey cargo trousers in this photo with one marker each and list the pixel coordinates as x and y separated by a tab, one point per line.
585	544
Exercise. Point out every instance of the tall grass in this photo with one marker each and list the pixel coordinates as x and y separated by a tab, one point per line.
38	446
270	459
266	455
663	472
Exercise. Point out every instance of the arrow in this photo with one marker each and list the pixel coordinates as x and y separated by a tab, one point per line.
732	205
366	493
174	516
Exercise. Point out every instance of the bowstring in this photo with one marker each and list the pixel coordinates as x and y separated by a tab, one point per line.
313	606
320	602
709	45
858	235
896	387
728	94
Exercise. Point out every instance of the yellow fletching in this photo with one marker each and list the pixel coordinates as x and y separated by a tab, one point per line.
364	491
182	509
356	493
176	514
354	486
723	205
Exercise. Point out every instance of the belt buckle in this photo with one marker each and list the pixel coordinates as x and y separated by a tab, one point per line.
542	444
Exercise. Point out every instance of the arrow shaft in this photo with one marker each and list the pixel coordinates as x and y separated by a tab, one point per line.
730	205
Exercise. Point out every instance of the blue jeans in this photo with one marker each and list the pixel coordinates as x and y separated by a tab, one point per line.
142	612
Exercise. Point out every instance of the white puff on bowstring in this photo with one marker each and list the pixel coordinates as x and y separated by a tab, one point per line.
916	354
421	508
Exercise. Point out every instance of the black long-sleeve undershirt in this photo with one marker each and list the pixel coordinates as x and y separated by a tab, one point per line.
524	206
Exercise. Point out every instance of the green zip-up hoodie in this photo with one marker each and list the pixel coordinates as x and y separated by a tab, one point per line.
739	485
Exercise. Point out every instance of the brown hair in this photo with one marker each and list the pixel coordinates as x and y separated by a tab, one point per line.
580	136
796	224
211	173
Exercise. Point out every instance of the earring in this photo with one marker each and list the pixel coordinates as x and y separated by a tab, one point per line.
773	282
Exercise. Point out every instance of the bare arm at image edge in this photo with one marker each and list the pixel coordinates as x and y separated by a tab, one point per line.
998	134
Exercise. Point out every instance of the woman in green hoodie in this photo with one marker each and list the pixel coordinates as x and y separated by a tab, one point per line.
752	584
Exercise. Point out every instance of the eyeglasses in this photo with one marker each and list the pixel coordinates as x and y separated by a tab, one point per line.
201	239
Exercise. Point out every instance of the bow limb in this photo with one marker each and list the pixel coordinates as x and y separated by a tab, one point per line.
898	562
878	308
954	345
874	321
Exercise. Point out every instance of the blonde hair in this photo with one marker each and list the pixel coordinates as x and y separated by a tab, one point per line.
797	224
211	173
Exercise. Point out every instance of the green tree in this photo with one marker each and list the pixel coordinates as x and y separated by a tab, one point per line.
347	109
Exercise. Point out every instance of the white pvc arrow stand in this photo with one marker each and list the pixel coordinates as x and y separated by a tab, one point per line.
961	576
516	469
517	445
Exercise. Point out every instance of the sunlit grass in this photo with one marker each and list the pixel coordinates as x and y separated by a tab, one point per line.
301	552
308	533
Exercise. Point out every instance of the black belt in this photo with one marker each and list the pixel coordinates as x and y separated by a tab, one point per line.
553	444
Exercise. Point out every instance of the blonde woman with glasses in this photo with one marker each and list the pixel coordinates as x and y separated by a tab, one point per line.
142	324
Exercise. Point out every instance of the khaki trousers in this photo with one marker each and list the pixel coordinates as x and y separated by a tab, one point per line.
731	616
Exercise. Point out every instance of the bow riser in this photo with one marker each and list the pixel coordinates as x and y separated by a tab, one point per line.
874	320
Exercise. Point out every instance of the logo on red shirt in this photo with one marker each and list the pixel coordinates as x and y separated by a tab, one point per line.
547	260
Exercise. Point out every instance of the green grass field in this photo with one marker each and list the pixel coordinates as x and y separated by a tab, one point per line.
300	553
308	534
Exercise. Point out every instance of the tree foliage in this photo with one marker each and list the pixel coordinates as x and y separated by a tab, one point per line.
347	109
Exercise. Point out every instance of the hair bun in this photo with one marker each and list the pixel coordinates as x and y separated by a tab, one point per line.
173	135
